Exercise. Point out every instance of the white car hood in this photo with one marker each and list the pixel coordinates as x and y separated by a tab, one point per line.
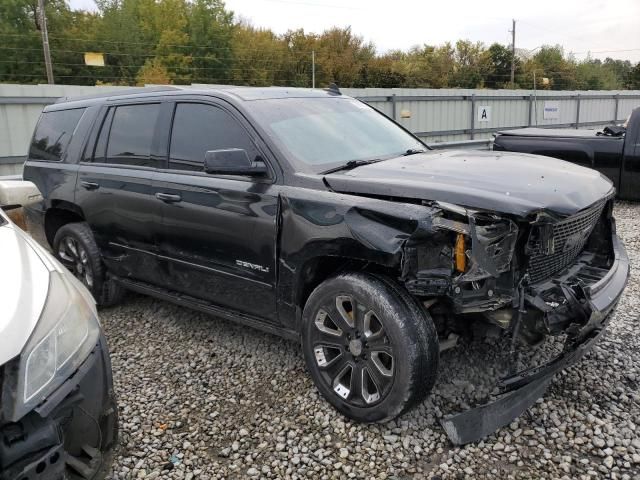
24	284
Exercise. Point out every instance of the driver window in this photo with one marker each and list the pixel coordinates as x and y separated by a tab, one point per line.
198	128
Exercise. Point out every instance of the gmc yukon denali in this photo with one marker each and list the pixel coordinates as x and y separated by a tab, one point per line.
311	215
614	151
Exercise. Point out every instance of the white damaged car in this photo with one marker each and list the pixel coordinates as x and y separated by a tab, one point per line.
58	416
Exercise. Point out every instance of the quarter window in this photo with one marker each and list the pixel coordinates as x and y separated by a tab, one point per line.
53	134
198	128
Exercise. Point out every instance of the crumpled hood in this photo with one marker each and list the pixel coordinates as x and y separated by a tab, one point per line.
512	183
24	283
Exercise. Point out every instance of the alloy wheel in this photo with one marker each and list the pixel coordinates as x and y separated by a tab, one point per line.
75	258
352	351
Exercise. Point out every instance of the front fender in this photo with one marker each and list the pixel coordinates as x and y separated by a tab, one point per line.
316	225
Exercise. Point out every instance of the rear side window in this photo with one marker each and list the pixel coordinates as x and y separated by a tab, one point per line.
198	128
53	134
126	136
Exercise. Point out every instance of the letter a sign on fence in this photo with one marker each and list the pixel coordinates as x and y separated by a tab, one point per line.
484	113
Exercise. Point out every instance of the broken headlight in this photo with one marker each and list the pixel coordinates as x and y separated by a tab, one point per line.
484	243
493	241
66	333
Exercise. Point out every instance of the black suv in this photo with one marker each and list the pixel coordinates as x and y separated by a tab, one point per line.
309	214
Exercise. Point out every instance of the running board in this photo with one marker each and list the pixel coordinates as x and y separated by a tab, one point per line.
208	308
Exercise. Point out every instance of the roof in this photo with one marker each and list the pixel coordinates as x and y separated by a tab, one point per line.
240	93
261	93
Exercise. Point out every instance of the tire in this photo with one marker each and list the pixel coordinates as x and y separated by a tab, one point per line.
366	327
75	247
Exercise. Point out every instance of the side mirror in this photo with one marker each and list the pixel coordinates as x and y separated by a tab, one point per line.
232	161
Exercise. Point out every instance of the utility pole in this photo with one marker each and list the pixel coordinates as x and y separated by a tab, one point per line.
45	42
313	69
535	96
513	53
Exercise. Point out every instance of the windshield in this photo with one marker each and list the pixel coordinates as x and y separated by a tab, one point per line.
318	134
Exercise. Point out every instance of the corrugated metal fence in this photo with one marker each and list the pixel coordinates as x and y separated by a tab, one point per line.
444	115
447	115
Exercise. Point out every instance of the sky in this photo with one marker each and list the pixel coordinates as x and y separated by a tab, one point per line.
601	28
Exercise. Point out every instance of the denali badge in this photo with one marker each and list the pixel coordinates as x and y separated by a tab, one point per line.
252	266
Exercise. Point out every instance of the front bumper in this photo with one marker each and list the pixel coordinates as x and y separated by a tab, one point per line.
520	390
72	434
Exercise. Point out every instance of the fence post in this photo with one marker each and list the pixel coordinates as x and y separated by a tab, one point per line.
530	109
616	97
473	116
577	111
393	107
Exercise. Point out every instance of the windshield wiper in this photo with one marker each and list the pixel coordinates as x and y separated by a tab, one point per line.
351	164
413	151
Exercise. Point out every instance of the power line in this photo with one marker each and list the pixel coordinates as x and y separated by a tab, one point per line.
229	48
147	44
467	74
292	60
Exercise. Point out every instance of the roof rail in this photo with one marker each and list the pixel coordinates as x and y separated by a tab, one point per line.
111	93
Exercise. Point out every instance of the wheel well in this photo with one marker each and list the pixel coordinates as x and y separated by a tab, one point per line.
318	269
56	218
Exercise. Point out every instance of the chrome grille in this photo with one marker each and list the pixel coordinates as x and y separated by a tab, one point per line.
569	238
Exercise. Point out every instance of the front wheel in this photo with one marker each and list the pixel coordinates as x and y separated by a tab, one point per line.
372	351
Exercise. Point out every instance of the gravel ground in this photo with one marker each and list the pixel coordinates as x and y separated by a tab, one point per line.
204	398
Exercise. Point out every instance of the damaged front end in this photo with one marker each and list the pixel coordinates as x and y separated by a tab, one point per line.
546	276
469	260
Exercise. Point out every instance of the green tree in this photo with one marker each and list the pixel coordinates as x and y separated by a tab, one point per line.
620	68
258	57
470	67
592	75
633	81
498	66
430	66
300	46
550	62
382	72
211	31
340	56
198	41
22	57
153	72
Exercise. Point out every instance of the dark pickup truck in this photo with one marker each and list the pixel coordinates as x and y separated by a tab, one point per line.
615	153
309	214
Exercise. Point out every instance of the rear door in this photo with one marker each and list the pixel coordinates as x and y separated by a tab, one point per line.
218	234
114	188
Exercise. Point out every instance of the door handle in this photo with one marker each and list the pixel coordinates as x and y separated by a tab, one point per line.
89	185
168	197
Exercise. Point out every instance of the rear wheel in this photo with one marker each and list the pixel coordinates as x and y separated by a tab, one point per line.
370	348
75	247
